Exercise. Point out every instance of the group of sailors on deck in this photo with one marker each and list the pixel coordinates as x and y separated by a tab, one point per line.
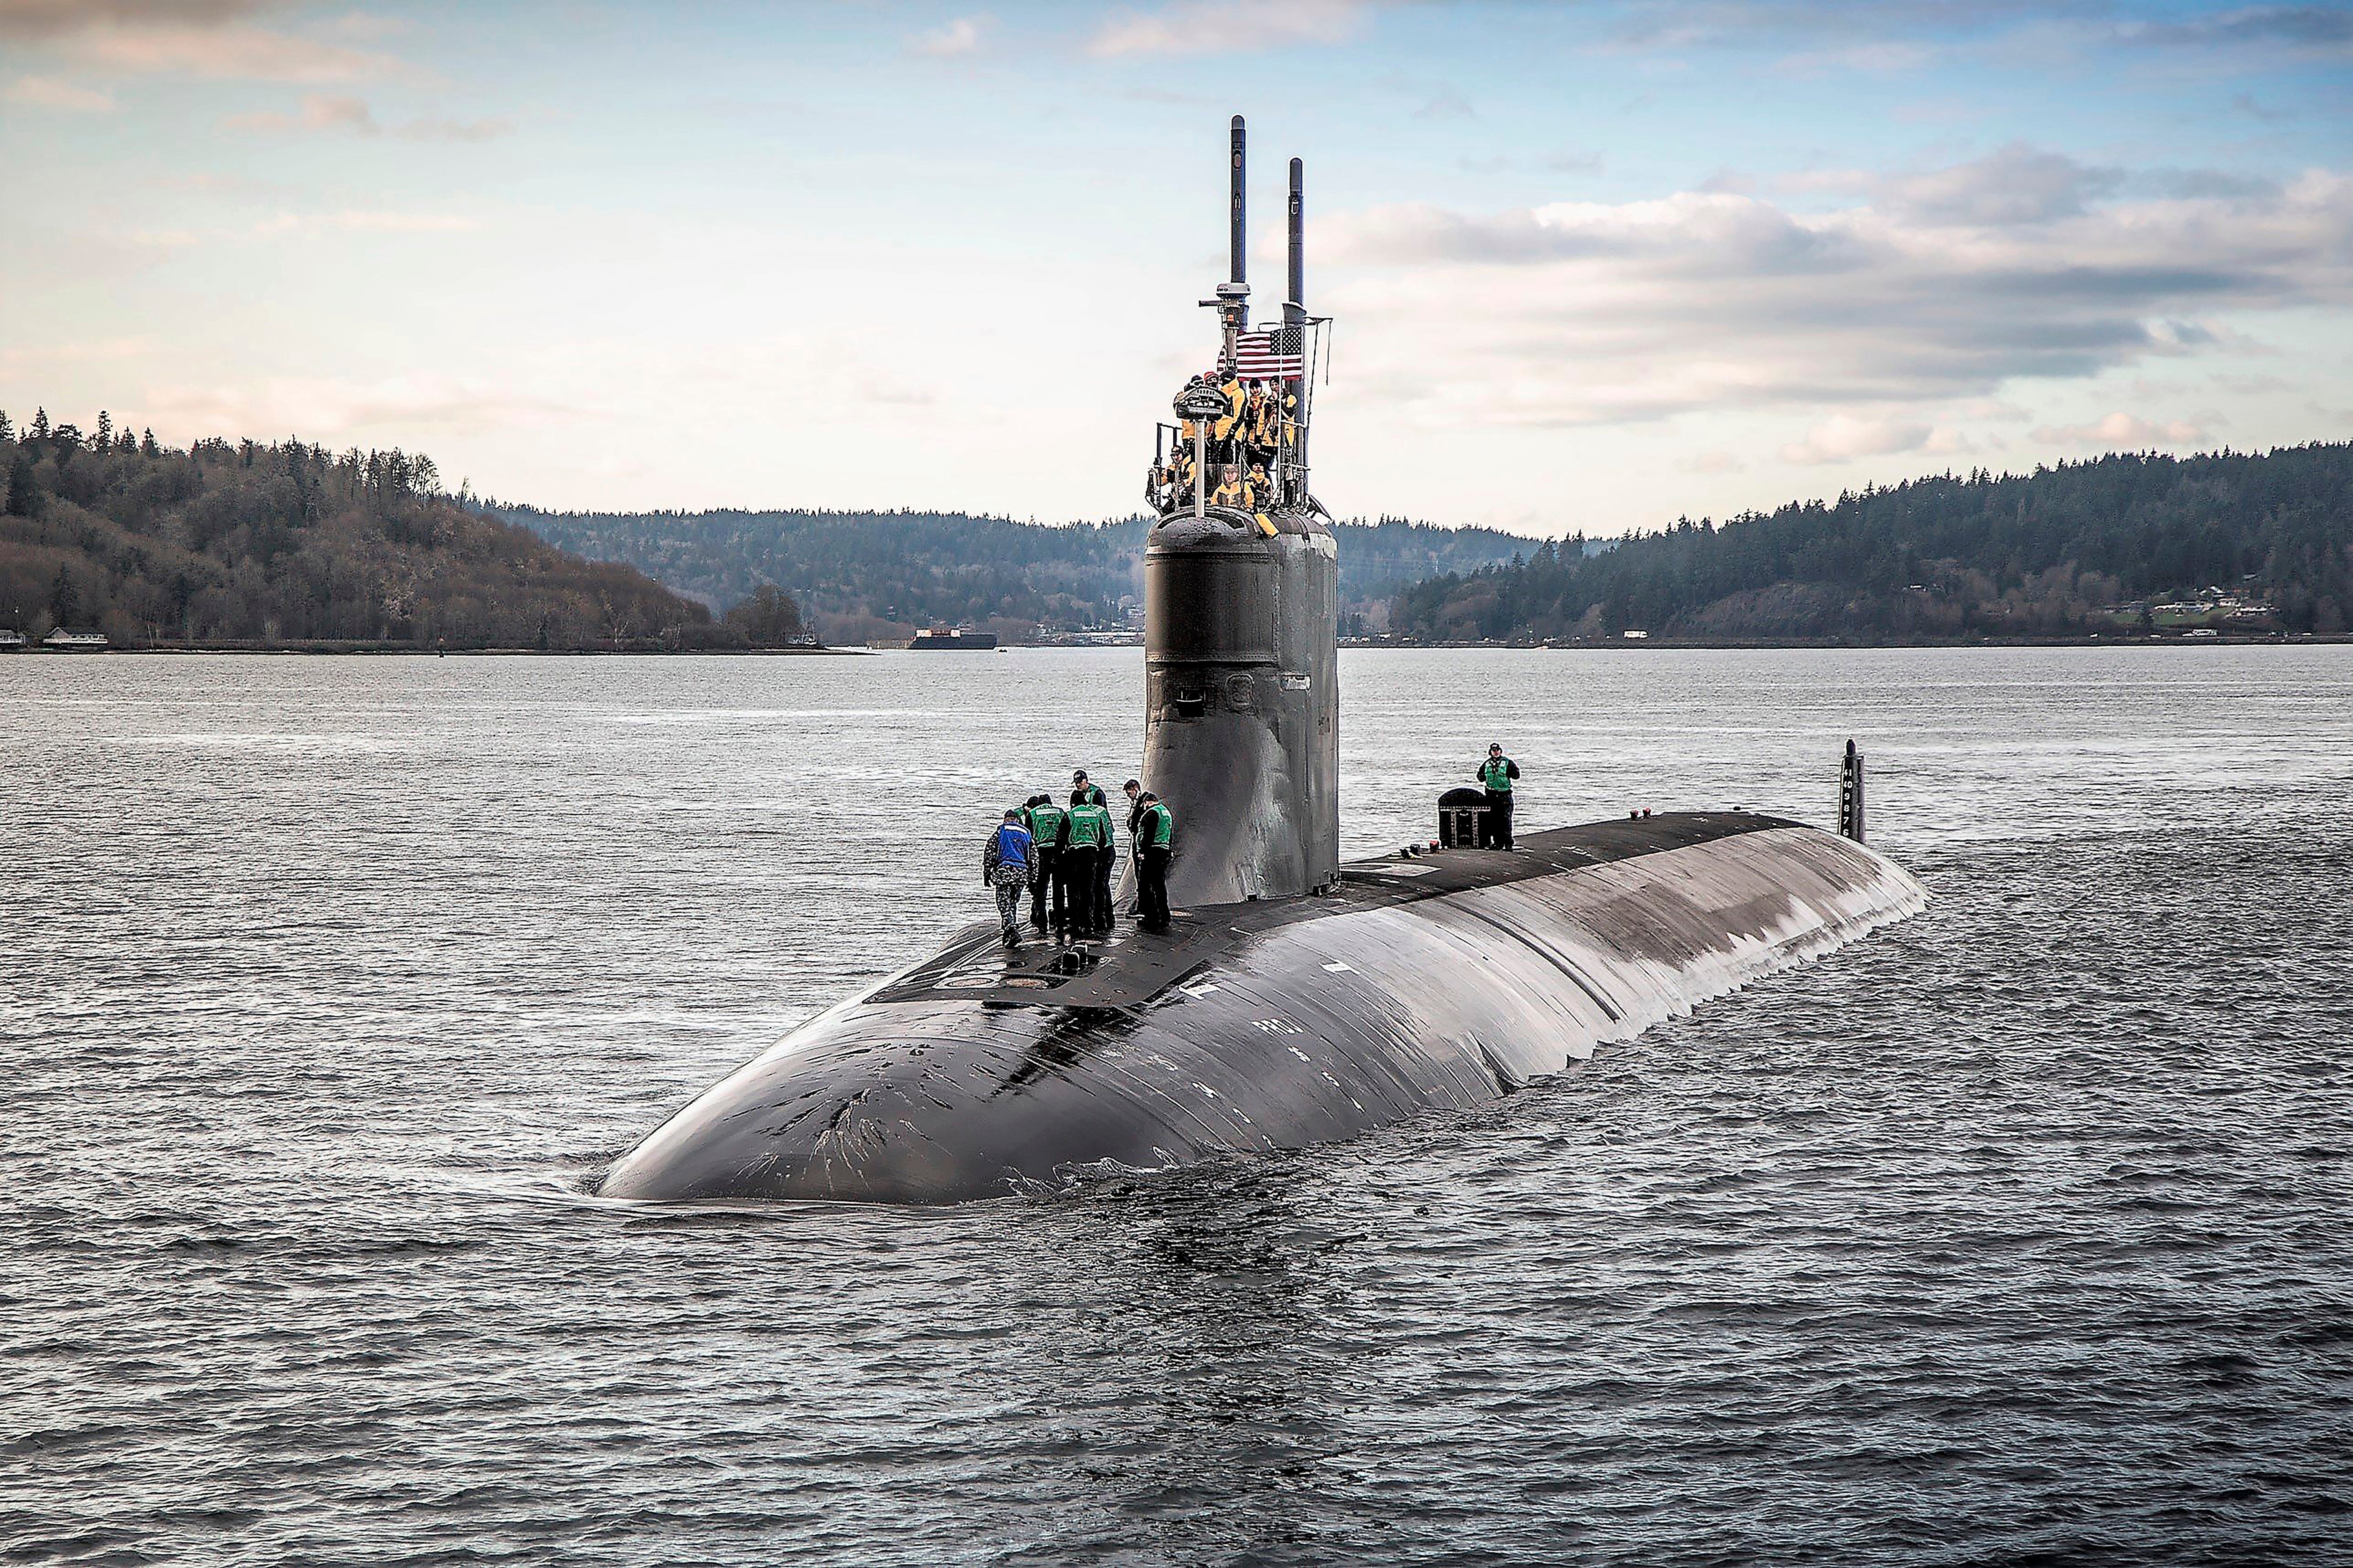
1241	444
1063	857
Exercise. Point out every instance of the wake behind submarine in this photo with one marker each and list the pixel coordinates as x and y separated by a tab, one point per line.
1294	1000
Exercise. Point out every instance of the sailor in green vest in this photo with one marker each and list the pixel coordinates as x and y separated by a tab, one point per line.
1107	861
1045	824
1497	773
1156	841
1086	845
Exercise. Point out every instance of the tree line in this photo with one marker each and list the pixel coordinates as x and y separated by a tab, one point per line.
252	543
2088	546
876	574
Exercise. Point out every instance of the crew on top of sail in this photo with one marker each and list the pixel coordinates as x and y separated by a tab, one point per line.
1257	424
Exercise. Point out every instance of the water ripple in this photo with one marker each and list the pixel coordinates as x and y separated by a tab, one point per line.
2013	1234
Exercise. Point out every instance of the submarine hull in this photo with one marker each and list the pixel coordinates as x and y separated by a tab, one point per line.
1436	983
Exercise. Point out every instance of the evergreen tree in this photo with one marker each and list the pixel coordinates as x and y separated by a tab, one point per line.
21	483
40	430
147	443
64	603
7	432
105	430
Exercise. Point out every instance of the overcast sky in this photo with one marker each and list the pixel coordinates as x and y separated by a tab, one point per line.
1594	265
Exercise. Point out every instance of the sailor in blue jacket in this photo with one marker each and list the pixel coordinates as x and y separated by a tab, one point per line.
1005	865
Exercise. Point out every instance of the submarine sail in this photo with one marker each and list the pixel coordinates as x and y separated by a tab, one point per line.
1294	1000
1241	608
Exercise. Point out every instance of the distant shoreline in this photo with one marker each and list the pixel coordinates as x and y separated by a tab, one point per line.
410	649
2296	640
1638	645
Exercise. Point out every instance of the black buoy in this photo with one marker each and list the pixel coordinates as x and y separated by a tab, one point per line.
1851	795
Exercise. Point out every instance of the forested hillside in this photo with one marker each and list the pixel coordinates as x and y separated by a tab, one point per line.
2128	540
876	574
290	543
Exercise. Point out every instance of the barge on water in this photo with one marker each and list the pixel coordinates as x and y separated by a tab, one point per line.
952	640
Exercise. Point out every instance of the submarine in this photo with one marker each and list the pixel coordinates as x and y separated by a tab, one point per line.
1294	1000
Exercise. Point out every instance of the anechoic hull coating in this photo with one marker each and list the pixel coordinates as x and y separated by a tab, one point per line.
1433	984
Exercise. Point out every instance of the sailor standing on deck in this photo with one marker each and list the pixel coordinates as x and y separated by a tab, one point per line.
1086	791
1005	866
1044	821
1497	773
1105	864
1085	844
1156	841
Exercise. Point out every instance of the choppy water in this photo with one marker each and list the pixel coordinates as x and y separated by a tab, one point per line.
2016	1233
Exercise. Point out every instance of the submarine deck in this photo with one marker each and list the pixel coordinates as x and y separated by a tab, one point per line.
1415	983
1128	971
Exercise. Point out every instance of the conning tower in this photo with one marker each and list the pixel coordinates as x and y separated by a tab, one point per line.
1241	607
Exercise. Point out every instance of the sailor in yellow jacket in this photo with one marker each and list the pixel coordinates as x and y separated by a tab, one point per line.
1265	421
1228	426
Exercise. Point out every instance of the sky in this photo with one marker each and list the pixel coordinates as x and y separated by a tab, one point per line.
1592	266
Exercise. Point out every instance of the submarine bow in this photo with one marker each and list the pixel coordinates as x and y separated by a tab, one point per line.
1294	1000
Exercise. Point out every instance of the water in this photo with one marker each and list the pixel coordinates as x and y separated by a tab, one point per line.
2017	1233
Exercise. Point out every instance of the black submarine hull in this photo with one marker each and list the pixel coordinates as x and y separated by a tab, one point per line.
1435	983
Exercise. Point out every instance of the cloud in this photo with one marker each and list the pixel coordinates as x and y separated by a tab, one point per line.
228	53
1880	59
1229	26
1879	34
959	37
487	129
2121	431
53	18
326	407
49	92
1870	34
1946	442
2321	29
2193	184
2016	184
214	39
1842	438
1923	293
1710	462
332	112
21	359
1569	161
319	111
366	221
1724	230
1445	103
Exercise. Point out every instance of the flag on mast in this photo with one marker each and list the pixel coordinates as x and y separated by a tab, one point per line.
1279	351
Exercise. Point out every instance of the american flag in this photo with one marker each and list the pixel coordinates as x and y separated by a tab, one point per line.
1276	352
